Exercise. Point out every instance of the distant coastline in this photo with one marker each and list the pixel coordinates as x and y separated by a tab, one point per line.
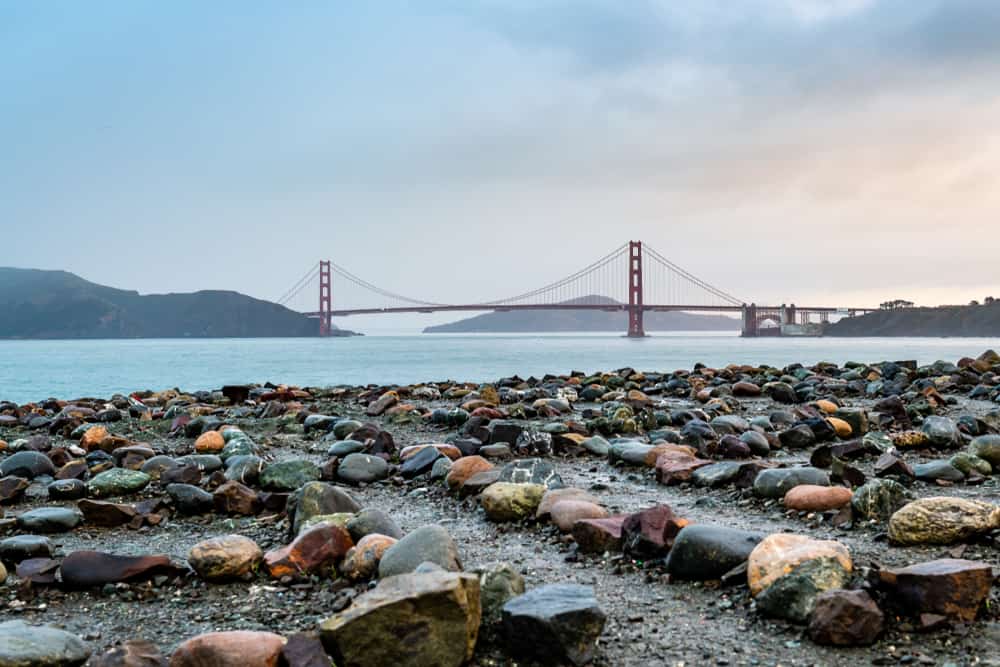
941	321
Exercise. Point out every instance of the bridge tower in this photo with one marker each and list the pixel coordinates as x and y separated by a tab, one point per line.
635	309
750	321
325	298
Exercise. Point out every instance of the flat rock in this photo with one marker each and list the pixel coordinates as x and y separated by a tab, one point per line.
951	587
531	471
410	620
599	535
23	645
554	624
84	569
49	520
845	618
117	482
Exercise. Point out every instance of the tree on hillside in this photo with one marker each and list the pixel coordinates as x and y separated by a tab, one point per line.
895	304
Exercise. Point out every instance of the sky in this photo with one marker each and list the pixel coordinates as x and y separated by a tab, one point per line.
837	152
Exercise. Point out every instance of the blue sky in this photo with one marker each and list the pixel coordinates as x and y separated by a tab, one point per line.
788	150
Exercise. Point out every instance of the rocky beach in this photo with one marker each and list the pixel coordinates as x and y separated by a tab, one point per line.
740	515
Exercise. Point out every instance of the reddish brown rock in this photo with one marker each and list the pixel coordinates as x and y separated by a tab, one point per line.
479	482
672	470
950	587
312	551
599	535
237	648
845	618
464	468
83	569
133	653
746	390
566	513
11	488
668	450
304	650
76	469
812	498
106	514
235	498
93	438
38	570
361	561
553	496
651	532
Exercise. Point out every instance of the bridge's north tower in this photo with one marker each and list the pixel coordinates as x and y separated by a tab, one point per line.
635	329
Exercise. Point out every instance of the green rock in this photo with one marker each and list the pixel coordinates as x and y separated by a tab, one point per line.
986	447
498	583
969	463
289	475
117	482
507	501
793	596
878	499
318	499
345	427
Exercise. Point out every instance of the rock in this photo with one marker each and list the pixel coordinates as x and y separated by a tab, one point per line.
318	499
498	583
553	496
810	498
599	535
420	463
554	624
235	498
22	547
703	551
335	519
631	452
970	464
857	418
39	646
362	469
314	550
799	437
408	620
878	499
942	520
776	482
289	475
672	470
345	427
845	618
427	543
746	390
106	514
361	561
941	431
383	403
117	482
566	513
49	520
479	483
531	471
890	465
225	558
189	499
304	650
372	521
441	468
236	648
505	501
132	653
464	468
717	474
27	464
938	470
787	572
84	569
778	554
596	445
11	488
67	489
497	451
209	442
345	447
949	587
650	532
986	447
757	442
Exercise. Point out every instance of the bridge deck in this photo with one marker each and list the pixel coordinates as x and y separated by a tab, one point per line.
613	308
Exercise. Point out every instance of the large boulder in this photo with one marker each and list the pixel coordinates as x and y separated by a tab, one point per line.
554	624
39	645
942	520
426	544
409	620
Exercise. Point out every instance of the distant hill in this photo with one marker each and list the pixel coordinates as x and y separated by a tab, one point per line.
58	304
546	321
941	321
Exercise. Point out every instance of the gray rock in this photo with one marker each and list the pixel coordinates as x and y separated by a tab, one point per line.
716	474
27	464
630	452
189	499
428	543
49	520
244	469
498	583
22	547
798	437
289	475
935	470
596	445
362	469
776	482
704	551
344	447
986	447
420	463
757	443
441	468
23	645
554	624
372	521
941	431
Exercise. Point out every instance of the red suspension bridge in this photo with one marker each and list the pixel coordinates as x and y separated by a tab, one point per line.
632	278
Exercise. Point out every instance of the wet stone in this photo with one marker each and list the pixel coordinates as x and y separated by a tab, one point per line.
555	623
950	587
27	464
845	618
66	489
428	543
531	471
22	547
39	645
703	551
776	482
49	520
84	569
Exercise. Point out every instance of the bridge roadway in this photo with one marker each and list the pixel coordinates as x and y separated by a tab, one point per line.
649	308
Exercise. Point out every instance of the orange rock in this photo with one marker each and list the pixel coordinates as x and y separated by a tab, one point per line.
677	468
812	498
451	451
464	468
668	449
361	561
842	428
779	554
829	407
317	547
566	513
209	442
93	438
237	648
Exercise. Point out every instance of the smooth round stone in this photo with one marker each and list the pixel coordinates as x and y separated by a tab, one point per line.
190	499
716	474
22	547
420	463
596	445
441	468
237	447
67	489
117	482
362	469
429	543
157	465
345	427
810	498
704	551
497	451
345	447
39	646
245	469
757	442
986	447
289	475
776	482
935	470
371	521
49	520
203	462
27	464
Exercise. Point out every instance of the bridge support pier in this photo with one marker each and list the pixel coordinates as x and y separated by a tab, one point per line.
749	321
325	299
635	309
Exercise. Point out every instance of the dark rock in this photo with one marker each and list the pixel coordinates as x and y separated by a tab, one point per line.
428	543
371	521
11	488
67	489
776	482
22	547
950	587
531	471
845	618
420	463
304	650
650	532
106	514
27	464
703	551
938	470
878	499
554	624
48	520
362	469
235	498
83	569
190	499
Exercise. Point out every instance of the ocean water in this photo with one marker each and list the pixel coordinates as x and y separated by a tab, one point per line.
34	370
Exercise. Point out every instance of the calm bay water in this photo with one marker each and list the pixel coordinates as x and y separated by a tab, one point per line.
33	370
